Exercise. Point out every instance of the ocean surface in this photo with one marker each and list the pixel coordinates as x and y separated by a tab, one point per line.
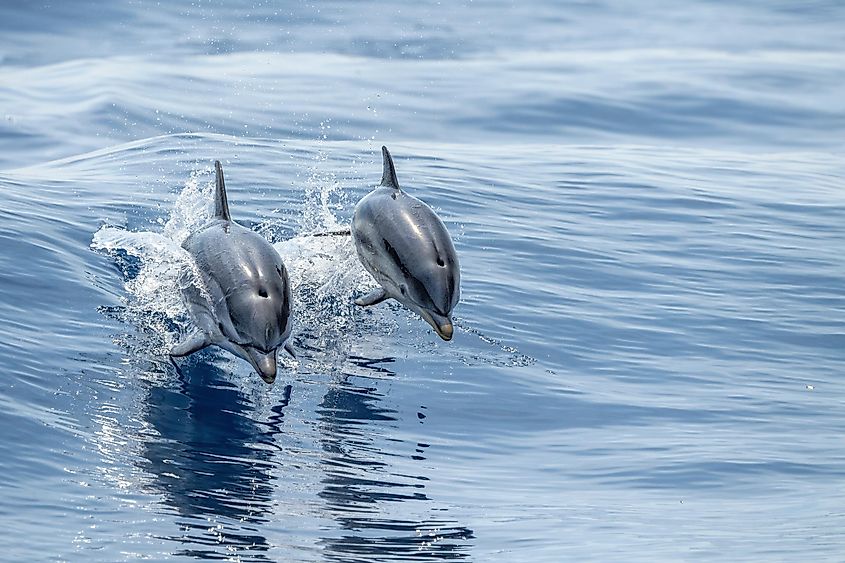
648	203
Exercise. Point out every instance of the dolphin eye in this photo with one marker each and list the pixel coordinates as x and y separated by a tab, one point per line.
402	289
262	293
440	262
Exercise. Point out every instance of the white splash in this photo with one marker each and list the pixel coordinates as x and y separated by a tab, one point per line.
324	271
325	275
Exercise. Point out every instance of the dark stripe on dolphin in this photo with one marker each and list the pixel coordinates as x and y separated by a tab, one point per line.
395	256
285	315
421	288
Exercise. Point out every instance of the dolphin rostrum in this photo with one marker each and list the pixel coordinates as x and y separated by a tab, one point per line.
404	245
239	297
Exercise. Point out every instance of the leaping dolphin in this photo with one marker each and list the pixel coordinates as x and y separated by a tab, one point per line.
242	302
404	245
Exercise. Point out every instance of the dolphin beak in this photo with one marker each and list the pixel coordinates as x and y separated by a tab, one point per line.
441	325
445	330
264	364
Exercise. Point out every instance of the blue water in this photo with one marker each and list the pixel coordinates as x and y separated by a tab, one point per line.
648	202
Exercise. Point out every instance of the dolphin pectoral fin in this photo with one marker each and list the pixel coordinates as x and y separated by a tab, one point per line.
194	342
373	298
289	349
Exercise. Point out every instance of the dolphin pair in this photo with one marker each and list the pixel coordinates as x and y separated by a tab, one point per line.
404	245
239	297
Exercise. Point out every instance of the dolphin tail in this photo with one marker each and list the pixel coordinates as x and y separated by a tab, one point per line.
388	177
221	202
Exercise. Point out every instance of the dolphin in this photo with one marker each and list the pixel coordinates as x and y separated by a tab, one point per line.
404	245
239	296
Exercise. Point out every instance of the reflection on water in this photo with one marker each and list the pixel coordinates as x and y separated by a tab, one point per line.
204	451
215	463
244	482
362	491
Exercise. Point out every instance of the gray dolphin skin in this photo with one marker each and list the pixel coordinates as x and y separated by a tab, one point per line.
244	302
404	245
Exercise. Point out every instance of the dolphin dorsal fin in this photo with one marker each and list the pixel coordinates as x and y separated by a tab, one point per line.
388	177
221	203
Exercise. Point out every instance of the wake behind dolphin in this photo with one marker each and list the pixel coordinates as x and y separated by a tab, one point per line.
241	298
405	246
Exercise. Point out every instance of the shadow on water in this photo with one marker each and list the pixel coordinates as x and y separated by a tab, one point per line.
370	502
202	450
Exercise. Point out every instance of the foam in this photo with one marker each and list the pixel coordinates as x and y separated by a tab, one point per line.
324	271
